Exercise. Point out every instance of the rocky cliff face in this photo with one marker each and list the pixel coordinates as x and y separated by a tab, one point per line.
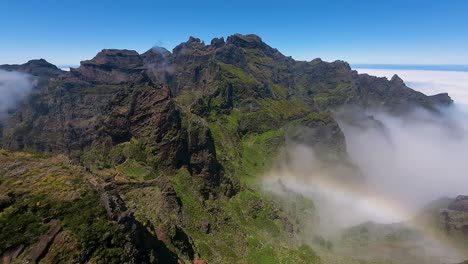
182	133
120	94
453	220
242	72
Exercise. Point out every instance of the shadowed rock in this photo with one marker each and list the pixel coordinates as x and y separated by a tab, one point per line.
460	204
39	249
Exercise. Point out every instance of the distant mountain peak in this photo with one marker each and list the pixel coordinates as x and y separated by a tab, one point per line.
119	58
245	41
36	67
397	80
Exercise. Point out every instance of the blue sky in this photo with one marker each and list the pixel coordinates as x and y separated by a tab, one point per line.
398	32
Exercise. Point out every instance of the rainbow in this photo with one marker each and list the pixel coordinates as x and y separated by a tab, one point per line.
363	203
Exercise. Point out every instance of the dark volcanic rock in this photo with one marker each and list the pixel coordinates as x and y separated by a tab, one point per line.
114	58
64	118
395	95
11	254
231	54
217	42
39	68
110	66
39	249
460	204
171	200
183	242
323	134
203	153
246	41
140	243
116	96
192	51
169	112
156	55
147	111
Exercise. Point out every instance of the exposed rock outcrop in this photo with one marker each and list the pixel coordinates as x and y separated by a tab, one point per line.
114	97
110	66
39	249
460	204
196	110
140	243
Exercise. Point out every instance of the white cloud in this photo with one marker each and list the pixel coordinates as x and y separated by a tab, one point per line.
406	161
14	86
417	159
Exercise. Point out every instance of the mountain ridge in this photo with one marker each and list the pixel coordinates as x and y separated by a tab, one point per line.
181	138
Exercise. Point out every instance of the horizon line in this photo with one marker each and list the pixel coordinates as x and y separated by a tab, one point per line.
411	66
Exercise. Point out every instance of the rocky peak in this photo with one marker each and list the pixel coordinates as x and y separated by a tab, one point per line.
441	99
115	58
156	55
40	63
245	41
217	42
397	80
253	44
109	66
194	40
194	50
37	67
341	64
191	44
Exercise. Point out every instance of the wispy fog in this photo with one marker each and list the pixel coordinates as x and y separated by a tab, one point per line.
414	159
421	156
13	87
406	161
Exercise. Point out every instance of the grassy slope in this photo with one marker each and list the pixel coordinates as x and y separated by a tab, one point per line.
247	228
36	189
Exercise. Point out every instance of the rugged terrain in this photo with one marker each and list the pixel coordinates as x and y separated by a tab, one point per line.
154	157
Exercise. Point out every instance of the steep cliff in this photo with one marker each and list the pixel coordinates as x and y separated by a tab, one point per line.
179	138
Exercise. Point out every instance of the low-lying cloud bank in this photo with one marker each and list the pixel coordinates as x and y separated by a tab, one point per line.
407	162
421	156
14	86
413	159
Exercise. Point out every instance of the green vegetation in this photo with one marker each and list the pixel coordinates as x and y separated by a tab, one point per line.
279	90
234	73
259	150
135	170
248	220
21	223
244	97
51	188
334	97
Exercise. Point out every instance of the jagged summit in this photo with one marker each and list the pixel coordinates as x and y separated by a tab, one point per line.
397	80
217	42
245	41
190	60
